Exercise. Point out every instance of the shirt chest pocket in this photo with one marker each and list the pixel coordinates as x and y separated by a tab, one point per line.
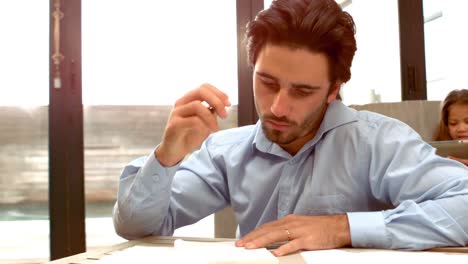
322	205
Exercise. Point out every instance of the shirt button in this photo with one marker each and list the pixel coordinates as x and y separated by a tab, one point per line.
281	214
156	177
283	206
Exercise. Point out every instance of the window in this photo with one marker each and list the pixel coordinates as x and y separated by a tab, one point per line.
24	86
375	73
138	58
445	47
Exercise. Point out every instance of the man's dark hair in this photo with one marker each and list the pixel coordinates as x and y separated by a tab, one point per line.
320	26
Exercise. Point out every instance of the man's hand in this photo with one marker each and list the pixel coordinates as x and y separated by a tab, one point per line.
301	232
190	123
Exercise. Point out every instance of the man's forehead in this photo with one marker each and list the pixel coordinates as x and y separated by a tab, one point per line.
296	65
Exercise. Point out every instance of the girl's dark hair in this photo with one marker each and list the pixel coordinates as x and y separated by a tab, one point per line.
317	25
454	97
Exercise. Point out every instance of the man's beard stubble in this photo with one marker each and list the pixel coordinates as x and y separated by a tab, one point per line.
310	125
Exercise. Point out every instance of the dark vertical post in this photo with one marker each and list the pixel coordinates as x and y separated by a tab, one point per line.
246	11
66	161
412	54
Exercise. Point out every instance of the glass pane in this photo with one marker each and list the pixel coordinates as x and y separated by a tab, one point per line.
376	65
24	88
375	73
133	71
445	46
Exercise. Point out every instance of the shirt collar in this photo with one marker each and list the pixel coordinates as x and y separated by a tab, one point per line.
337	114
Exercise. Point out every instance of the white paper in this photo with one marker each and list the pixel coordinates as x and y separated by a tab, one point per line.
369	256
192	252
222	253
141	255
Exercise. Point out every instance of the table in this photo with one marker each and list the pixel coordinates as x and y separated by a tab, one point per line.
161	241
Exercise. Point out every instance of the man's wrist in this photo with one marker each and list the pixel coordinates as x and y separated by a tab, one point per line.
343	235
162	158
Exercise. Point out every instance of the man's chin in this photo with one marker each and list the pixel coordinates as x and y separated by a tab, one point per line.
277	137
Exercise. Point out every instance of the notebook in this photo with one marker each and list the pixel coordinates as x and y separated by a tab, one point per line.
454	148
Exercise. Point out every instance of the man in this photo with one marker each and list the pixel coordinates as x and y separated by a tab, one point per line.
312	171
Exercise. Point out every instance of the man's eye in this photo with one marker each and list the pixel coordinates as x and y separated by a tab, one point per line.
269	84
302	91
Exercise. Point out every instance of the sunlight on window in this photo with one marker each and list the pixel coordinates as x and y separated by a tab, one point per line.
24	89
139	57
445	46
375	73
145	52
24	53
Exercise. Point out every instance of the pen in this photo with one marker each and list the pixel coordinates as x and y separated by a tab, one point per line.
212	110
209	107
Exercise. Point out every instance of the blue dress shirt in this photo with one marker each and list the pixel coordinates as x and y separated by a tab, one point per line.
396	191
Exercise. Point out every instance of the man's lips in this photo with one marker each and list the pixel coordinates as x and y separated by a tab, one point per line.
280	126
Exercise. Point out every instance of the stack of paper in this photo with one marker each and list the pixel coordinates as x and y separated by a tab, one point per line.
140	255
192	252
222	253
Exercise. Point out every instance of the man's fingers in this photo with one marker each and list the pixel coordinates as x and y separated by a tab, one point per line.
277	226
259	232
219	102
192	124
209	94
195	108
292	246
268	237
220	94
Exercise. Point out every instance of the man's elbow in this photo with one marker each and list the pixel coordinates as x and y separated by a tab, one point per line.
128	231
125	228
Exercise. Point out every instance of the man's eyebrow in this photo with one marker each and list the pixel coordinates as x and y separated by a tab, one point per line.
266	75
305	86
294	85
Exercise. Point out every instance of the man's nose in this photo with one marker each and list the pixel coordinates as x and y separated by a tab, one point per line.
281	103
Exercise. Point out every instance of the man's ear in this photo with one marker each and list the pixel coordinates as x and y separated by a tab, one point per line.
333	92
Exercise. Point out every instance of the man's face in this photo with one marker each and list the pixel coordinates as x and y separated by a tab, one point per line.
292	91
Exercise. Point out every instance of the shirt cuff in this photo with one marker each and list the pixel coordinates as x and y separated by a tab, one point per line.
368	230
156	171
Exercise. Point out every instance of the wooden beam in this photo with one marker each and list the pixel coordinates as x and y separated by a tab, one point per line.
246	11
412	54
66	161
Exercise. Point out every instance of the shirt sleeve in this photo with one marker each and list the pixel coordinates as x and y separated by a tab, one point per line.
368	230
429	195
144	190
156	200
